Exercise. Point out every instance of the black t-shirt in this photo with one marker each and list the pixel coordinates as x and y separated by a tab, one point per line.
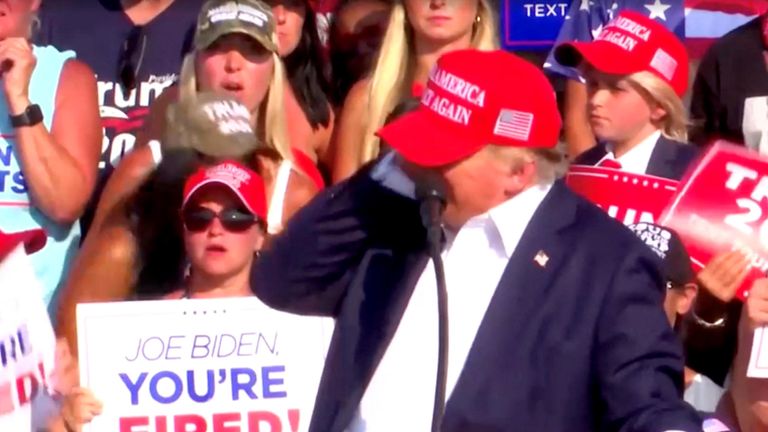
733	70
97	31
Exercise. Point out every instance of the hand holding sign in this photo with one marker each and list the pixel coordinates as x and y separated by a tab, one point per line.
80	407
722	206
725	274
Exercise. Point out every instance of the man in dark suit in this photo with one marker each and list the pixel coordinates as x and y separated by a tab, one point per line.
555	318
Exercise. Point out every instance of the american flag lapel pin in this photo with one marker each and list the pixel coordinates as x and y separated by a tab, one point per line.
541	258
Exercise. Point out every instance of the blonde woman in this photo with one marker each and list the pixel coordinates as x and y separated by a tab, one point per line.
233	56
418	33
636	72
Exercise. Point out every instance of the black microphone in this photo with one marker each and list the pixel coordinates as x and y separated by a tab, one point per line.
430	190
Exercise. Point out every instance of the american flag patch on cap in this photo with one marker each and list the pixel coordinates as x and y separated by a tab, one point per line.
514	124
664	64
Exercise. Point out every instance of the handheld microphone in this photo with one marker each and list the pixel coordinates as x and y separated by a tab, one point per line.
430	190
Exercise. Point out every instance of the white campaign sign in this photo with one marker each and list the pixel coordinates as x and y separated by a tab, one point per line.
232	365
27	347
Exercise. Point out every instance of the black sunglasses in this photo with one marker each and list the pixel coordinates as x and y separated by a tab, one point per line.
131	57
197	219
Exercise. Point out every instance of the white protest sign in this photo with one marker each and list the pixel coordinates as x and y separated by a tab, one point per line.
27	345
231	365
758	358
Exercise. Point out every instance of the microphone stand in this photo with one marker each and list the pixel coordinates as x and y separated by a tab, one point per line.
432	205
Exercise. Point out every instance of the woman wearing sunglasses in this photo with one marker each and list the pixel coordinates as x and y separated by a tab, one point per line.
50	136
223	225
224	219
139	248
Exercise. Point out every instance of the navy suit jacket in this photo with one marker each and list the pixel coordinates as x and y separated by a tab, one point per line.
670	159
579	345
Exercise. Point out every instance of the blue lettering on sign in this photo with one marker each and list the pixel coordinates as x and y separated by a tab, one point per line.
532	24
5	156
11	177
167	387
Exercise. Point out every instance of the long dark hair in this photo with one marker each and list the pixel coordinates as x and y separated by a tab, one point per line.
348	64
304	68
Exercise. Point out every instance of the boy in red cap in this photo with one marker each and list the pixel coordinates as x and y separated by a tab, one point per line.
553	308
636	73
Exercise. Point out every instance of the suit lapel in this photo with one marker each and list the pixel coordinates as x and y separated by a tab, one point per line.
365	326
662	161
591	156
525	282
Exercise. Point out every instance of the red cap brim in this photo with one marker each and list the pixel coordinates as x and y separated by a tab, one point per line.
423	138
33	241
603	56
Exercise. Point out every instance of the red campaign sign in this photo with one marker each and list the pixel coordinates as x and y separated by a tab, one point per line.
722	205
625	196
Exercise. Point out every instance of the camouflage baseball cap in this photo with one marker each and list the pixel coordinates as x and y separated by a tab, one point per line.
215	125
218	18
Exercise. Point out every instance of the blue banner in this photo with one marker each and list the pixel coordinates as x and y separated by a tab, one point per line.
531	24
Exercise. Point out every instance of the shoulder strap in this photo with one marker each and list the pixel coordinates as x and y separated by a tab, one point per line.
275	212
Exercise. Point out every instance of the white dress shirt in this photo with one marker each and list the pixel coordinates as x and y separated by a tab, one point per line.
402	389
637	158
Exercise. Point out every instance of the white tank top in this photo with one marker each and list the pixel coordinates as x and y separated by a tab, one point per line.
157	151
275	211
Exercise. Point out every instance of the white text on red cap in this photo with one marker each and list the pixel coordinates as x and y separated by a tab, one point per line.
456	86
228	173
623	40
229	116
231	11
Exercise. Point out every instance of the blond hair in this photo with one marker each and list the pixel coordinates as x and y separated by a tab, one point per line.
390	80
674	124
551	163
270	115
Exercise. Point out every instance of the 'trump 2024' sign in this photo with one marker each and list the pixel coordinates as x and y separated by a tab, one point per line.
723	205
231	365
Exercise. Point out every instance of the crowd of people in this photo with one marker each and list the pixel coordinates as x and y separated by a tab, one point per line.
230	148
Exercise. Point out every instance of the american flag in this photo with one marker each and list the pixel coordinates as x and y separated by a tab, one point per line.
707	20
514	124
697	22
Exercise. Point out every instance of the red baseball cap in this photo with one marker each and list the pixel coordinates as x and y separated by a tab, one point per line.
632	43
242	181
33	241
473	99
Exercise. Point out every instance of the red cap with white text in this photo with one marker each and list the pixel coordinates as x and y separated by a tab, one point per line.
473	99
243	182
630	43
